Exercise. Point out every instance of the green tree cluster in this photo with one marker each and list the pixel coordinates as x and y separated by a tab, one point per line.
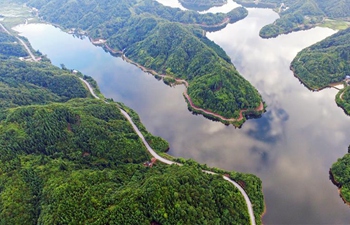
325	62
151	35
9	46
340	176
343	100
66	158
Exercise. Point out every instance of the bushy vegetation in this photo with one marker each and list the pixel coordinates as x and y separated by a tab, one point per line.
80	161
57	191
343	100
157	37
300	14
25	83
340	175
325	62
9	46
69	159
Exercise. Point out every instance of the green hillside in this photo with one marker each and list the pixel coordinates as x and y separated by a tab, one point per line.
166	40
325	62
340	176
66	158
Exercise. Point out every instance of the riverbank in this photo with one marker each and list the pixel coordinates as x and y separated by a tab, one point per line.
331	85
169	162
339	99
237	122
339	186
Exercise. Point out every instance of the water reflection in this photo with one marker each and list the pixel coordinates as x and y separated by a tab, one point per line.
172	3
222	9
217	9
291	147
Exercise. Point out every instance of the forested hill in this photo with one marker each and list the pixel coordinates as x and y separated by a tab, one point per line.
26	83
166	40
66	158
340	175
301	14
201	5
325	62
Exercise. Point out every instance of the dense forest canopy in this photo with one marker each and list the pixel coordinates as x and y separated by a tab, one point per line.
343	99
300	14
66	158
325	62
167	40
9	46
25	83
340	175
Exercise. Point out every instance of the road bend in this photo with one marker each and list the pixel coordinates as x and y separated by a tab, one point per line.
169	162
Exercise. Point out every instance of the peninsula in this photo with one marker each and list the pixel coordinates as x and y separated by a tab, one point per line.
326	64
69	156
339	175
168	41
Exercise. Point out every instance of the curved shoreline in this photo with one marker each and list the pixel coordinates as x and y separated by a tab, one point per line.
339	186
202	111
169	162
331	85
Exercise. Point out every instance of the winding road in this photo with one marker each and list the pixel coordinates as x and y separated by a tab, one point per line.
169	162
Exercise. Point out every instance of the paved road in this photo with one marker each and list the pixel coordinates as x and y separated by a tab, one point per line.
169	162
22	43
28	50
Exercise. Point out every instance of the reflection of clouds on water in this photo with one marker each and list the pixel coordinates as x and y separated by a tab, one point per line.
230	5
224	9
292	145
264	157
267	131
172	3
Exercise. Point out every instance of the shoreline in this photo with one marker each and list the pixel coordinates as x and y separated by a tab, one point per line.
331	85
339	186
170	162
205	112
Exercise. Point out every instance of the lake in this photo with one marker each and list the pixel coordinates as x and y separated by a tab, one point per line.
291	147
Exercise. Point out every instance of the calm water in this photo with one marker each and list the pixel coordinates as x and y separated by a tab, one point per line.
291	148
